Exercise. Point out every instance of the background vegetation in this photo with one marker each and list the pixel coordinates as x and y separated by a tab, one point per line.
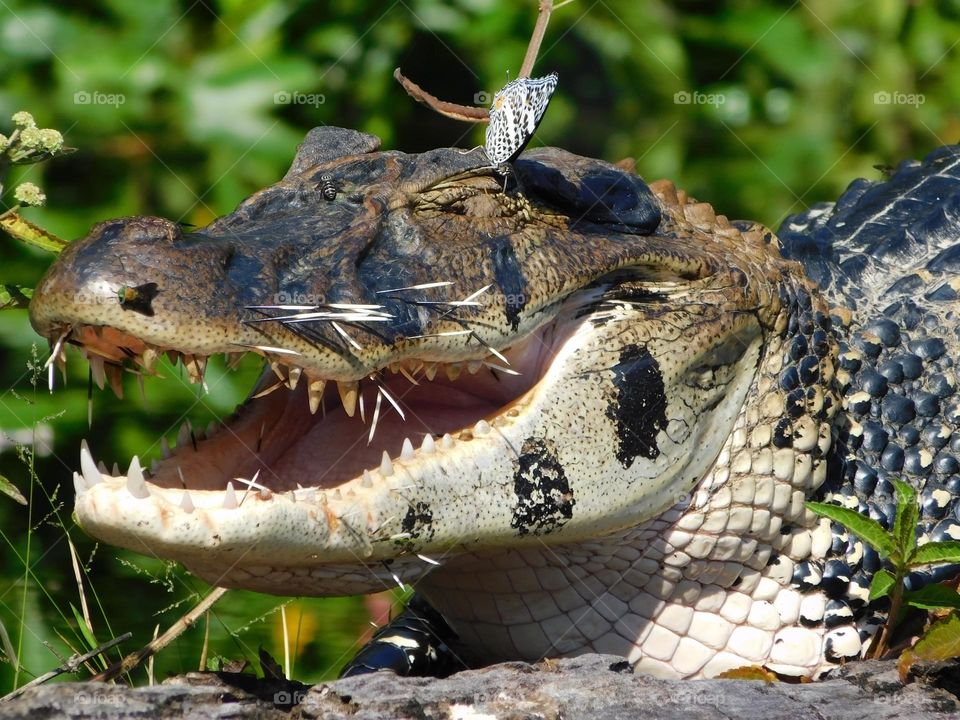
762	107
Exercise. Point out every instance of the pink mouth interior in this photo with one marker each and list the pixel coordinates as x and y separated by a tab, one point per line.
276	438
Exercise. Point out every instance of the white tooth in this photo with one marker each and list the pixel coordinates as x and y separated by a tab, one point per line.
406	452
102	467
154	466
116	470
337	495
96	367
430	371
87	466
428	446
386	466
183	436
315	394
446	442
212	427
348	396
115	378
186	503
149	359
453	370
481	428
79	484
293	377
230	498
474	366
136	485
367	480
164	448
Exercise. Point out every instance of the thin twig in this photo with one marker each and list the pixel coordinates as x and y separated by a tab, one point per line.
471	113
175	630
464	113
70	666
546	7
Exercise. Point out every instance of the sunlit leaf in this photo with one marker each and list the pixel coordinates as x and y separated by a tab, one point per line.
867	529
27	232
908	513
940	642
933	597
947	551
8	488
881	584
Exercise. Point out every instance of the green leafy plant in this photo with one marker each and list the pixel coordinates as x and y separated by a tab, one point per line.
899	548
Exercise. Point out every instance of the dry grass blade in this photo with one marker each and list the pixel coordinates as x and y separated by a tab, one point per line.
69	666
178	628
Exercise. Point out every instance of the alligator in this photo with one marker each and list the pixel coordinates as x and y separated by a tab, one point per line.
575	411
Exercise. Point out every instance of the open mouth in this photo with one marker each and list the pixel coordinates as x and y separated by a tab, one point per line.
298	432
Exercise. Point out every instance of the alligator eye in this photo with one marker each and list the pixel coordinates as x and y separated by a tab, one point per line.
327	188
138	298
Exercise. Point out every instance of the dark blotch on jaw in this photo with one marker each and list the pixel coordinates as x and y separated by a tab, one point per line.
544	498
418	524
510	278
640	411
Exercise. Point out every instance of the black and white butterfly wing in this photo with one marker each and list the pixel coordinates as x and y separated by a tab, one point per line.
514	116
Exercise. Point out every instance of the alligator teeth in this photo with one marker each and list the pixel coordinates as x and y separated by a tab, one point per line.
315	394
406	452
136	485
474	366
164	448
428	446
96	369
115	378
386	465
183	436
430	371
186	502
196	367
293	377
212	427
230	498
102	467
453	371
149	359
79	484
446	442
116	470
367	480
481	428
348	395
154	466
89	468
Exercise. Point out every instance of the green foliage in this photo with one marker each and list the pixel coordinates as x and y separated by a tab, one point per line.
899	548
182	111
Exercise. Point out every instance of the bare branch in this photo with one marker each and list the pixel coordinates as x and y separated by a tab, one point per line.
470	113
154	646
70	666
465	113
543	17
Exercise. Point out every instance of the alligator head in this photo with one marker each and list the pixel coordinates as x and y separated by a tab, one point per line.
456	370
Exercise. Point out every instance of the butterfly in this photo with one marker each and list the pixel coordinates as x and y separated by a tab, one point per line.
515	113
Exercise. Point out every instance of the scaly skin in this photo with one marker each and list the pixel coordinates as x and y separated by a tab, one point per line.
634	489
